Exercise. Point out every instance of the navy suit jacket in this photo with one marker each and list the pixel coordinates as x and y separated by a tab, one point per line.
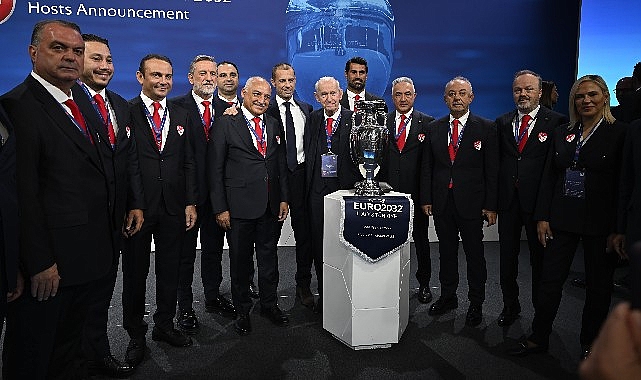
8	213
629	215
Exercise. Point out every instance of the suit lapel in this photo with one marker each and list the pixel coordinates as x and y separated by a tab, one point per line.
93	119
122	119
242	130
416	125
143	121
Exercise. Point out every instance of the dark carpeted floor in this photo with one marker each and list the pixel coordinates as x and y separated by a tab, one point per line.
431	347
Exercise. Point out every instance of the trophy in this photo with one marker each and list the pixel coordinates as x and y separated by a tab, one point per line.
368	141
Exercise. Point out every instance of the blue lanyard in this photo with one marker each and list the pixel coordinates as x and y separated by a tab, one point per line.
95	107
402	129
460	136
157	130
518	137
261	125
329	136
75	122
581	140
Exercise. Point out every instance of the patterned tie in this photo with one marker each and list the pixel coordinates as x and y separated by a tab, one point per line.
356	99
206	118
260	143
522	131
290	135
102	107
330	124
77	116
157	130
401	132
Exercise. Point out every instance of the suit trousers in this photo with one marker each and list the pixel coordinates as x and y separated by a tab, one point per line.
300	225
422	246
557	260
43	338
448	224
510	222
317	223
245	235
95	342
168	232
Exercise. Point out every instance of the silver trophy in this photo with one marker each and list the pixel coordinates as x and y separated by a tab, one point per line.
368	141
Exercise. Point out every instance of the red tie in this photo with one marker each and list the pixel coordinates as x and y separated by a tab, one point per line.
453	144
156	115
260	143
330	124
102	107
231	103
524	125
77	116
356	99
400	142
206	118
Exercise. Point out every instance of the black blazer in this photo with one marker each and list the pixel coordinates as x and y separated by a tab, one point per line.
474	172
274	112
8	213
241	180
402	170
220	105
345	100
629	215
63	196
601	158
121	165
524	169
168	178
316	145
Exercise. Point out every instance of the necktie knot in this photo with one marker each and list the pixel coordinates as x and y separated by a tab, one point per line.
357	97
256	122
287	105
206	103
330	125
98	98
156	106
206	118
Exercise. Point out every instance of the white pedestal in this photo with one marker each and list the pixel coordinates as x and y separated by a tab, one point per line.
365	305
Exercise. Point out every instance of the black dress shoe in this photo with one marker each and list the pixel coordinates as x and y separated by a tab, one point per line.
242	325
305	296
508	316
474	315
424	294
135	351
443	305
318	308
171	336
525	348
276	315
222	306
187	322
111	367
253	291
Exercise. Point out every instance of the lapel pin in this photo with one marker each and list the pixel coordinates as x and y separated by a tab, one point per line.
477	145
570	138
421	137
543	136
180	130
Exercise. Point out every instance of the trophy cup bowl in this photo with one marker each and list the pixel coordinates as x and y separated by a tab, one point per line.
368	141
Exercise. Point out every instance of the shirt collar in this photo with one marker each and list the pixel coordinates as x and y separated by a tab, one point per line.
280	101
532	114
334	116
351	94
149	103
462	119
198	99
249	115
407	114
57	93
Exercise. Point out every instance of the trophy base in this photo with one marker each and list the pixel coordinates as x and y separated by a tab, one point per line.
368	189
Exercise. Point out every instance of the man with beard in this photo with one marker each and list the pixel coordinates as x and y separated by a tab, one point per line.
248	189
356	76
110	111
198	103
524	139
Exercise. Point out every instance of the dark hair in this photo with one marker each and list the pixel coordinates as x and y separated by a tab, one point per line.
146	58
637	71
36	35
356	60
281	66
524	72
546	94
228	63
200	58
87	37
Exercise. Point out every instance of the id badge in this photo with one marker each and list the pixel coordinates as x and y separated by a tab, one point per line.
328	165
574	185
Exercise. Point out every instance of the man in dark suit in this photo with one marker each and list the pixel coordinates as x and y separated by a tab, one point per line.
248	184
459	187
356	76
117	145
63	201
326	141
11	280
169	179
199	103
525	135
630	103
292	115
401	168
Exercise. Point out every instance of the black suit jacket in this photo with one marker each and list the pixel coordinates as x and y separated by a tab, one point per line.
8	213
220	105
524	169
402	170
601	158
474	172
63	193
169	178
121	165
241	180
629	215
274	112
316	145
345	100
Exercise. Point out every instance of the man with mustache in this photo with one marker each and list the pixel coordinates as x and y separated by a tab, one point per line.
169	179
199	103
525	135
249	194
110	112
458	187
356	76
63	200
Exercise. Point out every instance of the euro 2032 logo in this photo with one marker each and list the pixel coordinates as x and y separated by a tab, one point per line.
6	9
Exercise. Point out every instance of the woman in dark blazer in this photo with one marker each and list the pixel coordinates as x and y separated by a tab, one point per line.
578	202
